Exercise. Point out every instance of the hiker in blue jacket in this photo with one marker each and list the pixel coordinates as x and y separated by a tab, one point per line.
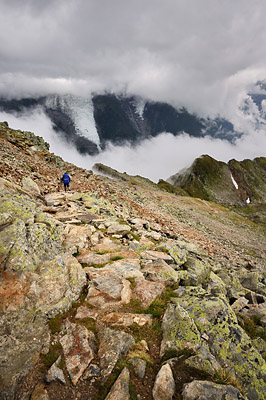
66	181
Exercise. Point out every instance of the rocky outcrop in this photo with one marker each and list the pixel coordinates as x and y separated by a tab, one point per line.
38	279
204	319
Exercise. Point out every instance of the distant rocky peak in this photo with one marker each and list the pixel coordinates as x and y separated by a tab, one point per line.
234	183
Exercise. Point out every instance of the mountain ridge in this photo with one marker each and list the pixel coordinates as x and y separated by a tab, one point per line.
91	123
247	177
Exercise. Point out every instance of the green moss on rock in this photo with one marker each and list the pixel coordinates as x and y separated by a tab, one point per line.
229	343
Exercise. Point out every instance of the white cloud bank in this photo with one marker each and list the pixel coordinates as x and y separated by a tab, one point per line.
156	158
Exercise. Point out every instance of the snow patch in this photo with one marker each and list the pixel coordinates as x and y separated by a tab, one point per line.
234	182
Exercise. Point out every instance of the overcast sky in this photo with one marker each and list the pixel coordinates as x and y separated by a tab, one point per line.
202	54
197	53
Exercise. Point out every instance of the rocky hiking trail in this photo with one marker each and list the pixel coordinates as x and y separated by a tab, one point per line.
119	290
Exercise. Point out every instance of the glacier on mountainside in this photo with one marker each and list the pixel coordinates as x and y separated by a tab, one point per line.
80	110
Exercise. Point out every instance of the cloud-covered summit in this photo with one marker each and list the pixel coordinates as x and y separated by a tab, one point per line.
202	55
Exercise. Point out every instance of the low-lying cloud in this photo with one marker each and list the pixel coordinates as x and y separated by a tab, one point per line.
155	158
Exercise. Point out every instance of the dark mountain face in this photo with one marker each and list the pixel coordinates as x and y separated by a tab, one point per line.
116	121
165	118
90	124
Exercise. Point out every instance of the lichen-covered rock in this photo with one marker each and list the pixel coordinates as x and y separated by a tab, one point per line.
203	360
190	247
22	338
250	280
56	284
77	351
14	247
164	387
25	299
160	271
120	389
215	284
179	330
234	287
209	390
178	253
18	205
113	346
260	345
23	246
197	273
227	341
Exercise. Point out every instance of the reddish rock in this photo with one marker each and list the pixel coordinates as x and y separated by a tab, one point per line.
147	291
77	351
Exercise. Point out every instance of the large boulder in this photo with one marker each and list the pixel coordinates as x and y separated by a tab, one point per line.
179	330
227	341
146	291
56	284
28	237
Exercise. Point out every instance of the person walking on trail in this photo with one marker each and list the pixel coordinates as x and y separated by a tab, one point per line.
66	181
